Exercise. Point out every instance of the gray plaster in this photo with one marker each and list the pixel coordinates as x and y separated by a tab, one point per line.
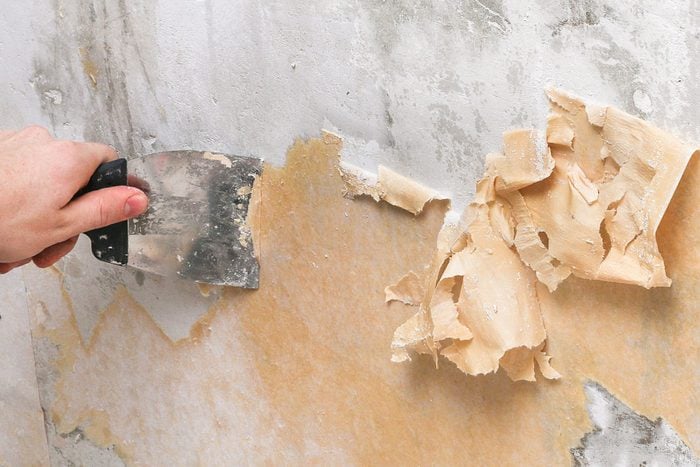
424	87
623	437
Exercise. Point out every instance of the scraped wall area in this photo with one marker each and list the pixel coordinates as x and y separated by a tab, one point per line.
132	368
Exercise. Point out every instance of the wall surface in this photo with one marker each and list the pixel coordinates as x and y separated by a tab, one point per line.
137	369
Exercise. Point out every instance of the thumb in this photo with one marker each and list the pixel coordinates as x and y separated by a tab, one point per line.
103	207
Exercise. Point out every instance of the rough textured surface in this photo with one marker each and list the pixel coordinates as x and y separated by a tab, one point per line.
623	437
424	88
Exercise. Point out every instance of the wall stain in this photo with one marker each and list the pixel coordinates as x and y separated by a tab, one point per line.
581	14
89	66
460	151
99	67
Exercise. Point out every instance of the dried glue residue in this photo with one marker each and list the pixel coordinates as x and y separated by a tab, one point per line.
388	186
133	388
408	290
225	161
586	200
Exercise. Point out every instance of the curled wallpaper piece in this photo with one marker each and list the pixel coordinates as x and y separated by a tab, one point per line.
543	363
388	186
587	200
408	290
532	245
445	314
481	310
483	306
497	302
559	132
602	204
415	335
525	160
582	184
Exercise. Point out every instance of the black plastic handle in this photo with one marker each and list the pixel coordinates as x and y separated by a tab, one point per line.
111	243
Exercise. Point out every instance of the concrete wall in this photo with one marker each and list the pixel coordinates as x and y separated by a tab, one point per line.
424	87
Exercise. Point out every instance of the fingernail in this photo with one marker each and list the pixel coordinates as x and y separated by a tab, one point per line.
135	205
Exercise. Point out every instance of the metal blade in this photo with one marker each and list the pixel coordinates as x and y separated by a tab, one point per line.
195	227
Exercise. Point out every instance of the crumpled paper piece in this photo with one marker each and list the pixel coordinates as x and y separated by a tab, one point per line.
614	178
480	307
587	201
387	186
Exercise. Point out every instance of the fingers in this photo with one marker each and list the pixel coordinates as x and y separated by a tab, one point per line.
34	134
6	134
7	267
96	153
83	158
55	252
101	208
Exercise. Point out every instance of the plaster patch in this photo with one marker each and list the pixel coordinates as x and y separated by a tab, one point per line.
22	438
642	101
623	437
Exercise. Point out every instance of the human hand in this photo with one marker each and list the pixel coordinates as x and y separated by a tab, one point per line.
39	219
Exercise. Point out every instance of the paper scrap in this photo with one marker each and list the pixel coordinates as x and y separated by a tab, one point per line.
408	290
603	202
584	200
388	186
483	307
525	160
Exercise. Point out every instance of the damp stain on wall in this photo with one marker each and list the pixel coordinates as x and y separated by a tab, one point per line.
100	66
300	370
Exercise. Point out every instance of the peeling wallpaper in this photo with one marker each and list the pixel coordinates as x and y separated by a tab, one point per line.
134	369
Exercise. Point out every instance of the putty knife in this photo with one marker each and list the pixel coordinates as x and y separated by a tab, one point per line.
195	226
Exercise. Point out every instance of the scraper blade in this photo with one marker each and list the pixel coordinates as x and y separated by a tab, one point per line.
196	223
